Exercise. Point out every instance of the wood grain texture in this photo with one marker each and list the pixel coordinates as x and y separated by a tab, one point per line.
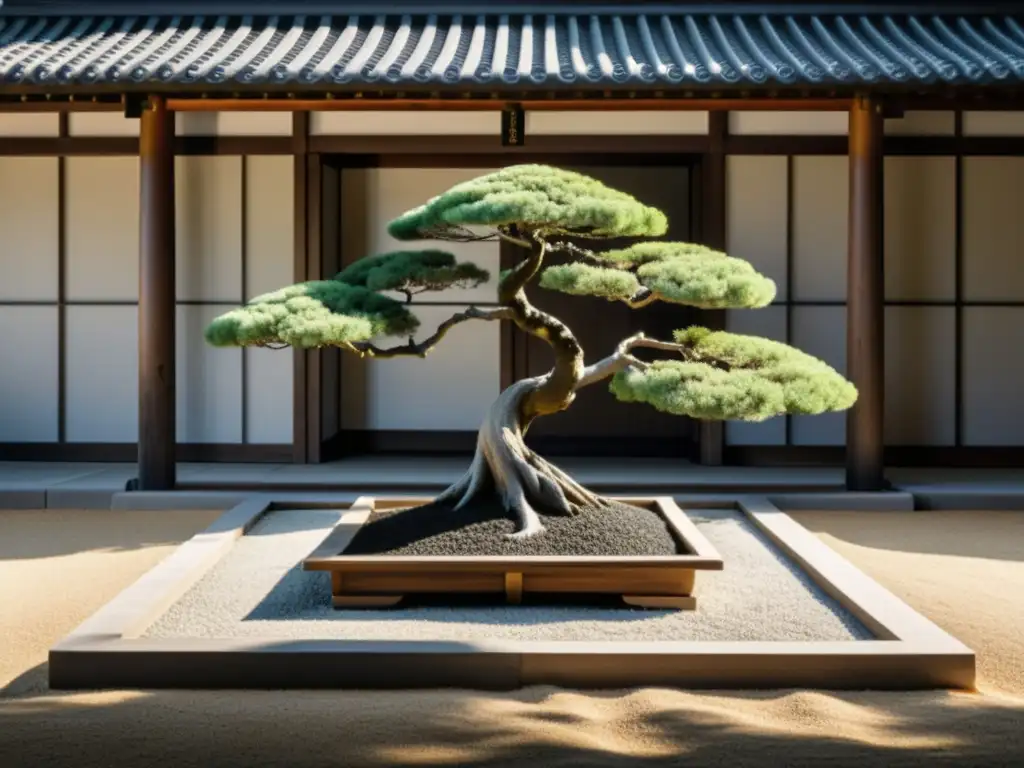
650	580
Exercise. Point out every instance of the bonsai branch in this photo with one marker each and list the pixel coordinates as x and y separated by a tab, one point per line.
413	349
641	298
622	358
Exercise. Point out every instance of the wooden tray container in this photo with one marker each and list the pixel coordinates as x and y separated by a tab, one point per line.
375	581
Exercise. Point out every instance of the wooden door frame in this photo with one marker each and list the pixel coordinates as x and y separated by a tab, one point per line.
628	151
514	344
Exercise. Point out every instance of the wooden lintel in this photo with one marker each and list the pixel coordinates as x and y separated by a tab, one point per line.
492	105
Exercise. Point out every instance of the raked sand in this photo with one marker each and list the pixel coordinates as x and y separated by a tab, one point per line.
259	590
963	570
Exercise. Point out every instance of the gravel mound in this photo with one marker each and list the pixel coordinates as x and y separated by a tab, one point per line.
480	528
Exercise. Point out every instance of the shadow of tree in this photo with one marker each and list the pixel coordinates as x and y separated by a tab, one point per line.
537	726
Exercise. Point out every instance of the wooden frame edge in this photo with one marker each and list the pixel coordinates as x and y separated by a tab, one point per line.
103	653
136	607
326	557
881	611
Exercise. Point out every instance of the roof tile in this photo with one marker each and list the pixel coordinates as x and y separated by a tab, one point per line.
571	49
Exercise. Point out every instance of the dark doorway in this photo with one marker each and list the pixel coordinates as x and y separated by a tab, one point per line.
597	423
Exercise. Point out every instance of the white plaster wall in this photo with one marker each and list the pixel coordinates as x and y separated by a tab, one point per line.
186	124
29	209
922	123
756	214
920	228
102	124
268	404
993	337
450	389
394	123
209	381
488	123
616	123
390	192
820	224
102	250
208	234
993	123
269	265
269	221
820	331
993	228
765	123
233	123
26	124
28	374
920	375
993	360
102	228
102	373
756	230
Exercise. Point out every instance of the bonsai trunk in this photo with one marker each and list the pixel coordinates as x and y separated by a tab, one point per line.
502	463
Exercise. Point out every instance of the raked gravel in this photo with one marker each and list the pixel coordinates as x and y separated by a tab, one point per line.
259	590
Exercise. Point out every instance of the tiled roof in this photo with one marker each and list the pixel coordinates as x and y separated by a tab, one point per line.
549	50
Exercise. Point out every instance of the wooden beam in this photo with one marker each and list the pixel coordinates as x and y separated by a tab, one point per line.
865	308
300	135
712	433
157	428
488	105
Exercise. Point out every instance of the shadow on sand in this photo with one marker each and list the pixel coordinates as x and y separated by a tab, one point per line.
541	727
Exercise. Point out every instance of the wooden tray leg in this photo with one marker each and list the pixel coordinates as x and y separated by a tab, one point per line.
676	602
514	588
341	599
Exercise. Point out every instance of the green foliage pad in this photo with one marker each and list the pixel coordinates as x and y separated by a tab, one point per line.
680	273
413	271
536	197
729	376
310	315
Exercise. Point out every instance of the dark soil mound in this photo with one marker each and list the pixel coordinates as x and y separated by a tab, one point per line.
479	528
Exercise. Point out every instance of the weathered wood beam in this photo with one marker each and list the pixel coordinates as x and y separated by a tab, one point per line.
712	433
494	104
157	427
865	307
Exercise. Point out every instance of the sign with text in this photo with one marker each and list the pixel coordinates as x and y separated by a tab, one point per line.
513	126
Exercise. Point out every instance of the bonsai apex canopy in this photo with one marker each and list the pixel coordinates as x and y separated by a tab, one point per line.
496	47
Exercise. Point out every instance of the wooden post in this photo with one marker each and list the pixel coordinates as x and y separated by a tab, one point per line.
712	433
157	294
865	307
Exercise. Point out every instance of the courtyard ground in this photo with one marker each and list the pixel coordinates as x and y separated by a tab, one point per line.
964	570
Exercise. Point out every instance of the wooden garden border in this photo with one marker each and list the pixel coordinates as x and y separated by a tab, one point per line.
107	650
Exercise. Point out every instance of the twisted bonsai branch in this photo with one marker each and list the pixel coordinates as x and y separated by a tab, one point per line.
412	349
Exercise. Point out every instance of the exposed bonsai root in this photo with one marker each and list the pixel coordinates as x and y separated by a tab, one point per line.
524	481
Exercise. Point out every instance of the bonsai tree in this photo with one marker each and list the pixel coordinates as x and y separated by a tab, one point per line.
704	374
